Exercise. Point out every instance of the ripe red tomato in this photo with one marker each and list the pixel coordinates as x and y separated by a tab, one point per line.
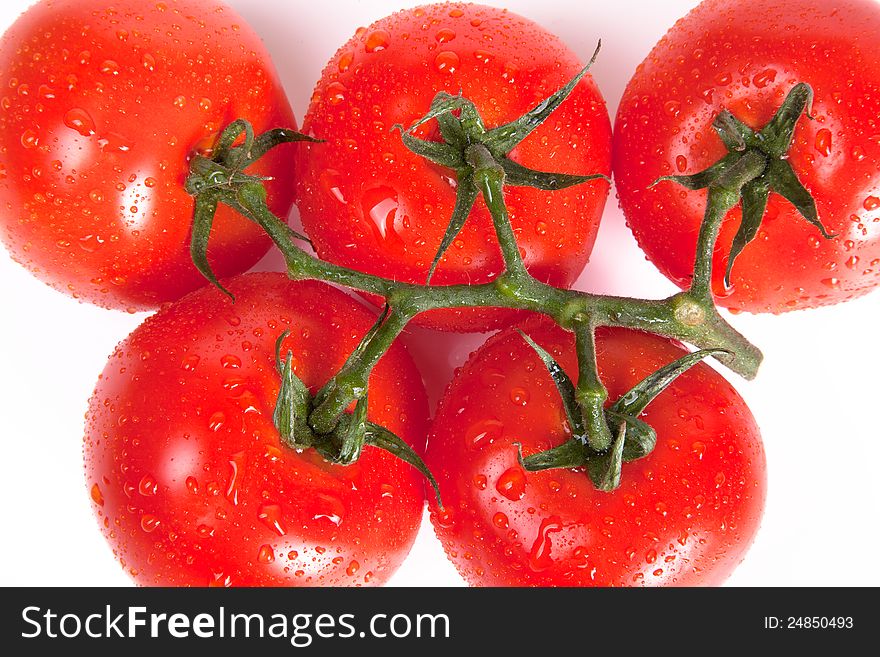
102	105
683	515
745	55
188	476
370	204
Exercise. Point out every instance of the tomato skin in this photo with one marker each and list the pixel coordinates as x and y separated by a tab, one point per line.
370	204
746	56
684	515
187	474
102	107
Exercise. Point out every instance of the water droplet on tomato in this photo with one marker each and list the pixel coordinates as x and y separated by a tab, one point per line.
512	483
480	482
346	59
444	35
500	520
519	396
853	262
109	67
148	485
148	62
672	108
823	142
266	554
335	93
483	433
330	180
237	463
219	579
871	203
541	228
192	485
149	522
764	78
447	62
97	495
831	282
270	515
80	120
380	205
681	163
353	568
230	361
377	41
540	556
329	507
216	421
190	362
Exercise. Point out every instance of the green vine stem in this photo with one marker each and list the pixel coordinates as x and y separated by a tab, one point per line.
612	434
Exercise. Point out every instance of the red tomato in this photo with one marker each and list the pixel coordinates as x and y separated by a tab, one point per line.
683	515
370	204
102	105
745	55
187	473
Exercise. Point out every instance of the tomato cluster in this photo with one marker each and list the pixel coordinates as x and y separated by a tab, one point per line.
103	110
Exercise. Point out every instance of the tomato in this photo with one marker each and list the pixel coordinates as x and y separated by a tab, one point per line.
102	105
683	515
370	204
188	477
745	55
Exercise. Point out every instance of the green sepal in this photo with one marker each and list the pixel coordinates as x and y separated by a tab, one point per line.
634	402
570	454
292	406
605	469
520	176
640	436
438	152
566	390
384	439
203	219
465	197
784	181
777	136
704	178
755	195
735	134
503	139
355	434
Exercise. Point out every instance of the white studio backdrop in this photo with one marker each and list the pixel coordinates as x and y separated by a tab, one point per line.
814	398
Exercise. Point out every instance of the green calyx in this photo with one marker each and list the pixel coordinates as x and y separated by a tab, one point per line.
624	437
756	164
221	179
480	157
351	432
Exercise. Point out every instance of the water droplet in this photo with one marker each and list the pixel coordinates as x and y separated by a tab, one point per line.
30	138
149	522
148	485
149	62
270	515
216	421
230	361
352	569
519	396
192	485
681	163
483	433
444	35
377	41
447	62
330	181
720	478
237	463
541	228
698	448
179	102
672	108
205	531
97	495
329	507
831	282
764	78
871	203
380	205
540	557
109	67
190	362
512	483
150	182
853	262
823	142
346	59
480	482
500	520
266	554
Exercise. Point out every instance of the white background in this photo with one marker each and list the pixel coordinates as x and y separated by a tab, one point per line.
814	399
